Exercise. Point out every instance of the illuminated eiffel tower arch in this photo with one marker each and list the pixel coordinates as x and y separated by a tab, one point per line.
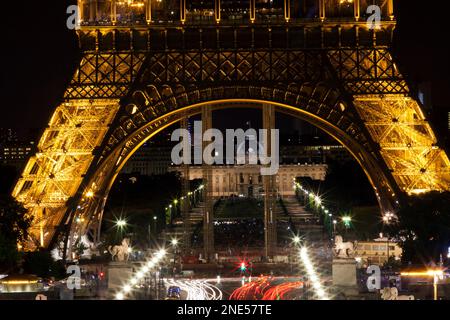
148	64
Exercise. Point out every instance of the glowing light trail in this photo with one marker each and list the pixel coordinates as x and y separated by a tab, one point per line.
312	275
196	289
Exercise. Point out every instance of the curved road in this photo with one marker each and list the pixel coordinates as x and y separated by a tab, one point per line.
196	289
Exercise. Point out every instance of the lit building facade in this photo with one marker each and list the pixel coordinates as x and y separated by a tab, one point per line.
298	154
377	252
246	180
149	161
15	153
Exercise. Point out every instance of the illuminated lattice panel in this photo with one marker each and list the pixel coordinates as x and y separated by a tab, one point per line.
407	142
64	155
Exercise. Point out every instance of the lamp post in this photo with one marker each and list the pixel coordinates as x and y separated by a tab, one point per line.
386	220
121	225
174	243
296	241
152	228
330	216
387	244
347	220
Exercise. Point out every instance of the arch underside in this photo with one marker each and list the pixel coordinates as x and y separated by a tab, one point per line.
357	96
323	107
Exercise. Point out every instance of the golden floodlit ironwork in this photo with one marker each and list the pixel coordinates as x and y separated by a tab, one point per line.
149	64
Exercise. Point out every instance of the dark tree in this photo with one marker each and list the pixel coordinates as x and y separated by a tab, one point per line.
14	224
138	199
41	263
424	228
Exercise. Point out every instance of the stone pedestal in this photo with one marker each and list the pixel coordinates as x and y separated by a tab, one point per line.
119	273
344	276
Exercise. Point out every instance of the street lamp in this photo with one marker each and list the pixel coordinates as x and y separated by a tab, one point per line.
387	217
119	296
318	200
174	243
126	289
121	223
346	220
296	239
160	254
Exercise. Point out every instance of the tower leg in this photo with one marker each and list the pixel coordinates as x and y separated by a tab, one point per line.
208	217
270	222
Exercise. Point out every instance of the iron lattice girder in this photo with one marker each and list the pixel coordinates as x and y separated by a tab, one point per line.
172	74
407	142
65	152
146	105
104	75
152	102
212	66
367	71
361	70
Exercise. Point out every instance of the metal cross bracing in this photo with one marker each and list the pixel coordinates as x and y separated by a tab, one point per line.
65	151
407	142
104	75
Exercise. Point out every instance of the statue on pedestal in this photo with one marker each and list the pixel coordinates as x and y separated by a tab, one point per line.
392	294
120	253
343	249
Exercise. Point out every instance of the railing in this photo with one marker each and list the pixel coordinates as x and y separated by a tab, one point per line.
185	12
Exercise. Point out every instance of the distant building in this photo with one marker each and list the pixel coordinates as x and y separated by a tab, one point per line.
376	252
152	158
12	151
246	180
149	160
298	154
7	135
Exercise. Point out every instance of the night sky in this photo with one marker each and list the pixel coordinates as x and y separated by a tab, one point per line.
39	55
